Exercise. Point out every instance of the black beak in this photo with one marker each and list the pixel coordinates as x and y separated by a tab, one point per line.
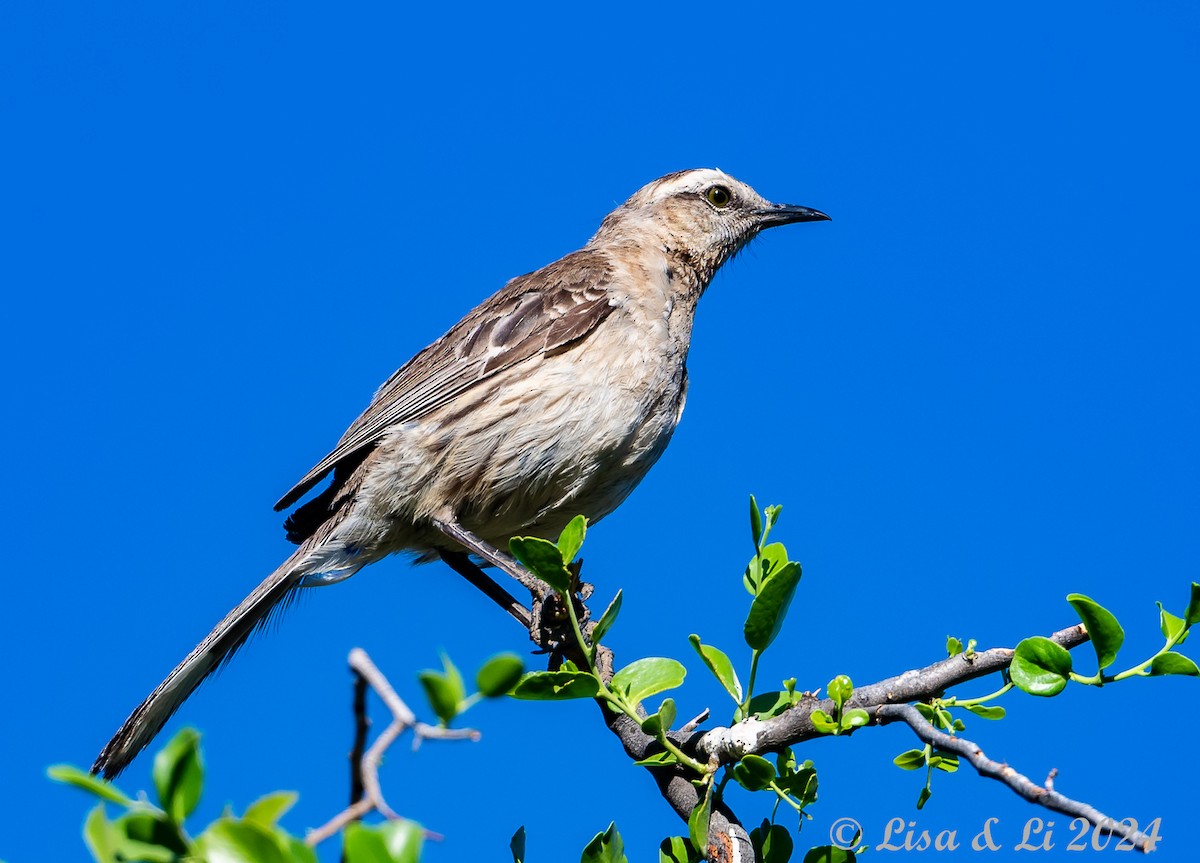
785	214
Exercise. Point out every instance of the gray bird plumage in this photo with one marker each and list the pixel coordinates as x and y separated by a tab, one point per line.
551	398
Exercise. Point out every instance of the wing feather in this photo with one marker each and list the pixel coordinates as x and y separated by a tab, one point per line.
539	313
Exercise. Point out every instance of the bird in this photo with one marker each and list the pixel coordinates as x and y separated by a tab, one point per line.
552	398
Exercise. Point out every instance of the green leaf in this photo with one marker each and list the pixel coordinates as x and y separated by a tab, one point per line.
1040	666
556	686
645	677
101	836
1105	632
499	675
1170	625
674	849
1173	663
913	759
777	845
517	845
667	712
362	844
269	809
571	538
755	522
953	646
840	689
102	788
230	841
698	822
829	854
297	851
768	704
770	606
718	663
944	761
823	722
544	560
754	773
403	839
442	695
856	717
606	847
765	563
658	759
985	711
1192	615
179	774
923	797
150	826
607	619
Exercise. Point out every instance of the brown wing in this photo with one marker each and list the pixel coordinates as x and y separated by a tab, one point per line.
533	314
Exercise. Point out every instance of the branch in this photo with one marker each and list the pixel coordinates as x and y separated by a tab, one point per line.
1044	795
366	774
793	726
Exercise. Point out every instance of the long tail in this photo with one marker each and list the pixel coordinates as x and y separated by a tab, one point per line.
228	635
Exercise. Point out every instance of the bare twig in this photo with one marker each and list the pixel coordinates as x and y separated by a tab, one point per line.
1043	795
366	777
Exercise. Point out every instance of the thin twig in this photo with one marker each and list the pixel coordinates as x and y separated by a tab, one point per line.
371	796
1044	795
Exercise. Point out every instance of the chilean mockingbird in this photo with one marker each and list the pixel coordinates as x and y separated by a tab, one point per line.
551	398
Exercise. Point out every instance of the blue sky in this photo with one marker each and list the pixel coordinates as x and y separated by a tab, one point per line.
974	391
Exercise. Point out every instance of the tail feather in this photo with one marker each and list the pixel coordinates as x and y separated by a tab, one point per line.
216	648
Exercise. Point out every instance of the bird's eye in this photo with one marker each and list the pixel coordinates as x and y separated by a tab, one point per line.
719	196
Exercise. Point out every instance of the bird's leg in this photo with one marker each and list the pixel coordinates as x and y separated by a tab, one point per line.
462	564
451	528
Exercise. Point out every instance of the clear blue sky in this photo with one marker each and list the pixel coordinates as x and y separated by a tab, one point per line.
974	391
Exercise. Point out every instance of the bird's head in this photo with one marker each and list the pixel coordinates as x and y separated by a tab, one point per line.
702	216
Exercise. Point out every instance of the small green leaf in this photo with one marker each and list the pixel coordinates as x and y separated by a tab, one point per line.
944	761
652	725
913	759
856	717
1040	666
364	844
667	712
499	675
840	689
266	811
649	676
102	788
556	686
823	722
773	843
1105	632
607	619
768	704
698	822
718	663
571	538
953	646
230	841
923	797
658	759
754	773
543	559
517	845
829	854
987	712
179	774
756	527
442	695
606	847
1192	616
100	836
674	849
1173	663
1171	626
770	560
770	606
403	839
